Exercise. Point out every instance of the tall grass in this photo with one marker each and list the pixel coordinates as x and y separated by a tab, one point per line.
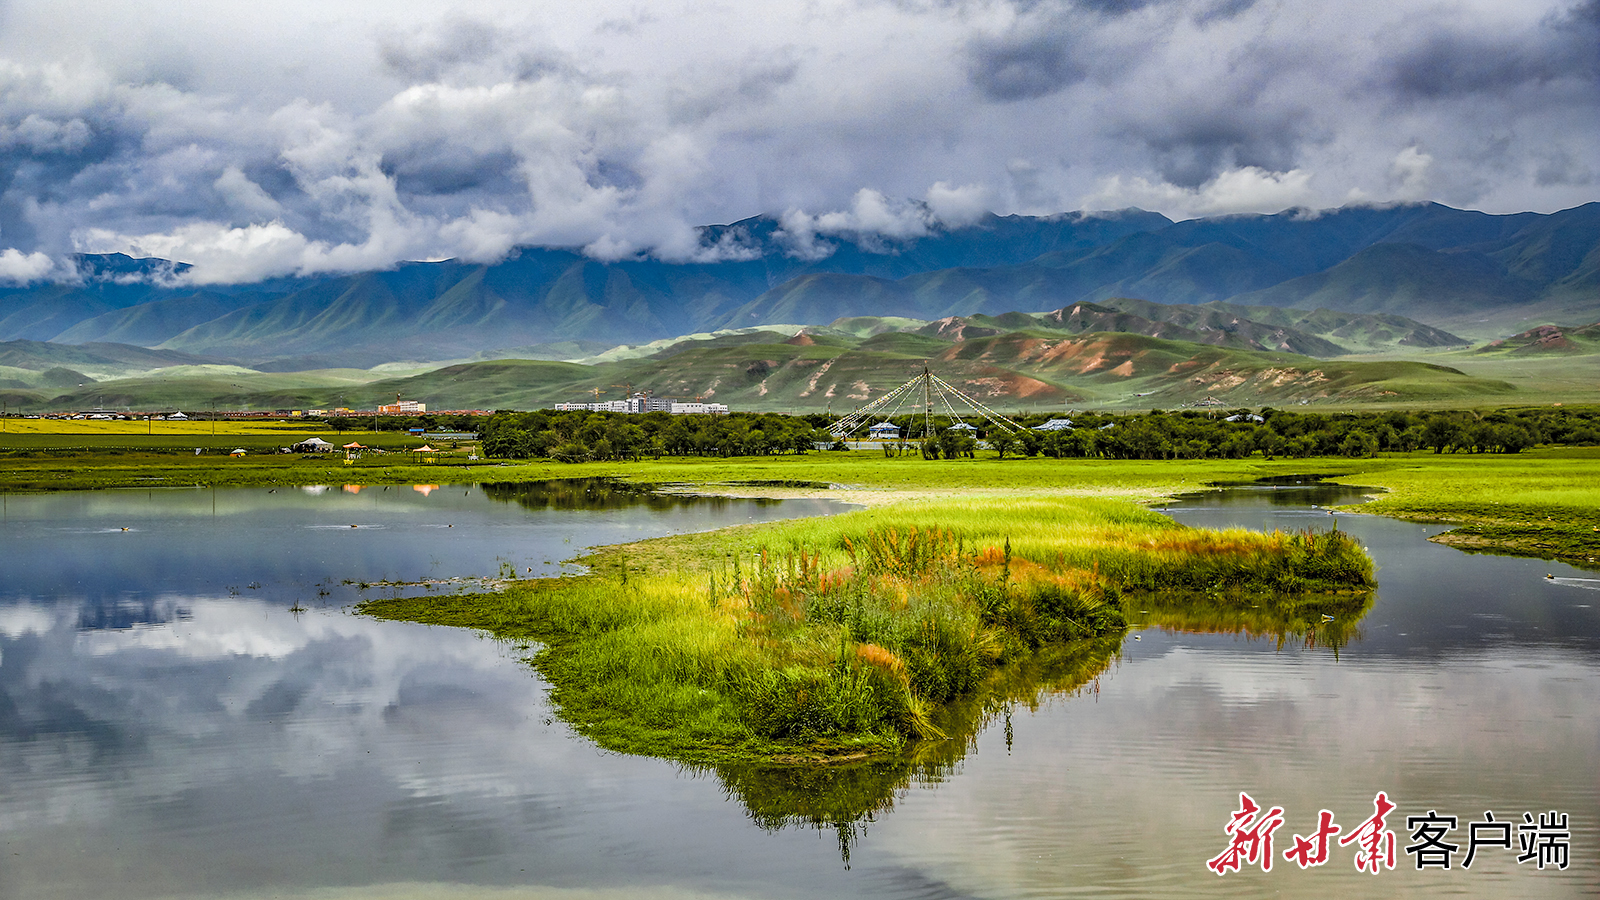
858	633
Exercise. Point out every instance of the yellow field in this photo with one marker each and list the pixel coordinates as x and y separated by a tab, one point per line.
193	426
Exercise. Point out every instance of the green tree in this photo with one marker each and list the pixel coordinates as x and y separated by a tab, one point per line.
1003	442
1358	443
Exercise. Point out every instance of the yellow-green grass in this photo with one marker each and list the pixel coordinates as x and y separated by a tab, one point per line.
1543	503
1539	379
850	636
107	458
1538	502
85	427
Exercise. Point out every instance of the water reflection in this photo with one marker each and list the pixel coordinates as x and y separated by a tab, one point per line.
165	738
604	493
1327	621
119	551
844	797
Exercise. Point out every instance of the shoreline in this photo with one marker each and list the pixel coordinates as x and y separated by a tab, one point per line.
1541	503
840	638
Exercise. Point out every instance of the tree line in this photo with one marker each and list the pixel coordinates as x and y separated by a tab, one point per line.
1186	434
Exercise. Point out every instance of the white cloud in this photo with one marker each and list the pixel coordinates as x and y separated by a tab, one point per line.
1236	191
17	267
961	205
797	234
871	213
224	254
1408	174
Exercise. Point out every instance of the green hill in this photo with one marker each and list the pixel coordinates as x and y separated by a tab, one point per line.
98	359
1547	340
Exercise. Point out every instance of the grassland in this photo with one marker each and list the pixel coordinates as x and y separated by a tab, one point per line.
53	454
1568	378
1543	502
849	636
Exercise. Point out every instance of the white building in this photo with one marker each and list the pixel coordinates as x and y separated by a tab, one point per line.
643	403
698	408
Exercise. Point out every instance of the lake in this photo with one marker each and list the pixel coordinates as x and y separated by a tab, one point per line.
169	727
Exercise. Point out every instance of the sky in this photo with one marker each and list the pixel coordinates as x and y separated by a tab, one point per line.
256	140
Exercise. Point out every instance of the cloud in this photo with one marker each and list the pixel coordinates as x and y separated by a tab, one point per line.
1239	190
960	205
797	235
1024	67
872	213
1222	10
1456	60
1409	173
307	142
41	135
245	195
21	268
876	222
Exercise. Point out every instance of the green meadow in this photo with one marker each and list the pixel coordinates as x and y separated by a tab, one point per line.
1543	503
868	634
849	636
1539	502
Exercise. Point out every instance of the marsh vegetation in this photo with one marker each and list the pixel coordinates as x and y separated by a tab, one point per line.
851	636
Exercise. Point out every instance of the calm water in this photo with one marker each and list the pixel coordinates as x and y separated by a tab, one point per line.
169	730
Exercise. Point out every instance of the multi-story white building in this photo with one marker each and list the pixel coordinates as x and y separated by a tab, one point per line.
643	403
696	407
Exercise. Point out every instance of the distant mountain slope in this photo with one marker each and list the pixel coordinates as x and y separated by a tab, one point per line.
98	358
149	324
1414	261
1278	328
1547	340
1407	279
1466	269
1022	369
1219	324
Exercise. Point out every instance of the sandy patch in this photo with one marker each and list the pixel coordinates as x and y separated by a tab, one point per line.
812	384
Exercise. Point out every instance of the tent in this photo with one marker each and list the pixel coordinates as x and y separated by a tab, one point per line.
237	452
884	430
1055	425
354	446
313	445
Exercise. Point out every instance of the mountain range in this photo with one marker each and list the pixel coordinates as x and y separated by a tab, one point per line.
1286	282
1064	358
